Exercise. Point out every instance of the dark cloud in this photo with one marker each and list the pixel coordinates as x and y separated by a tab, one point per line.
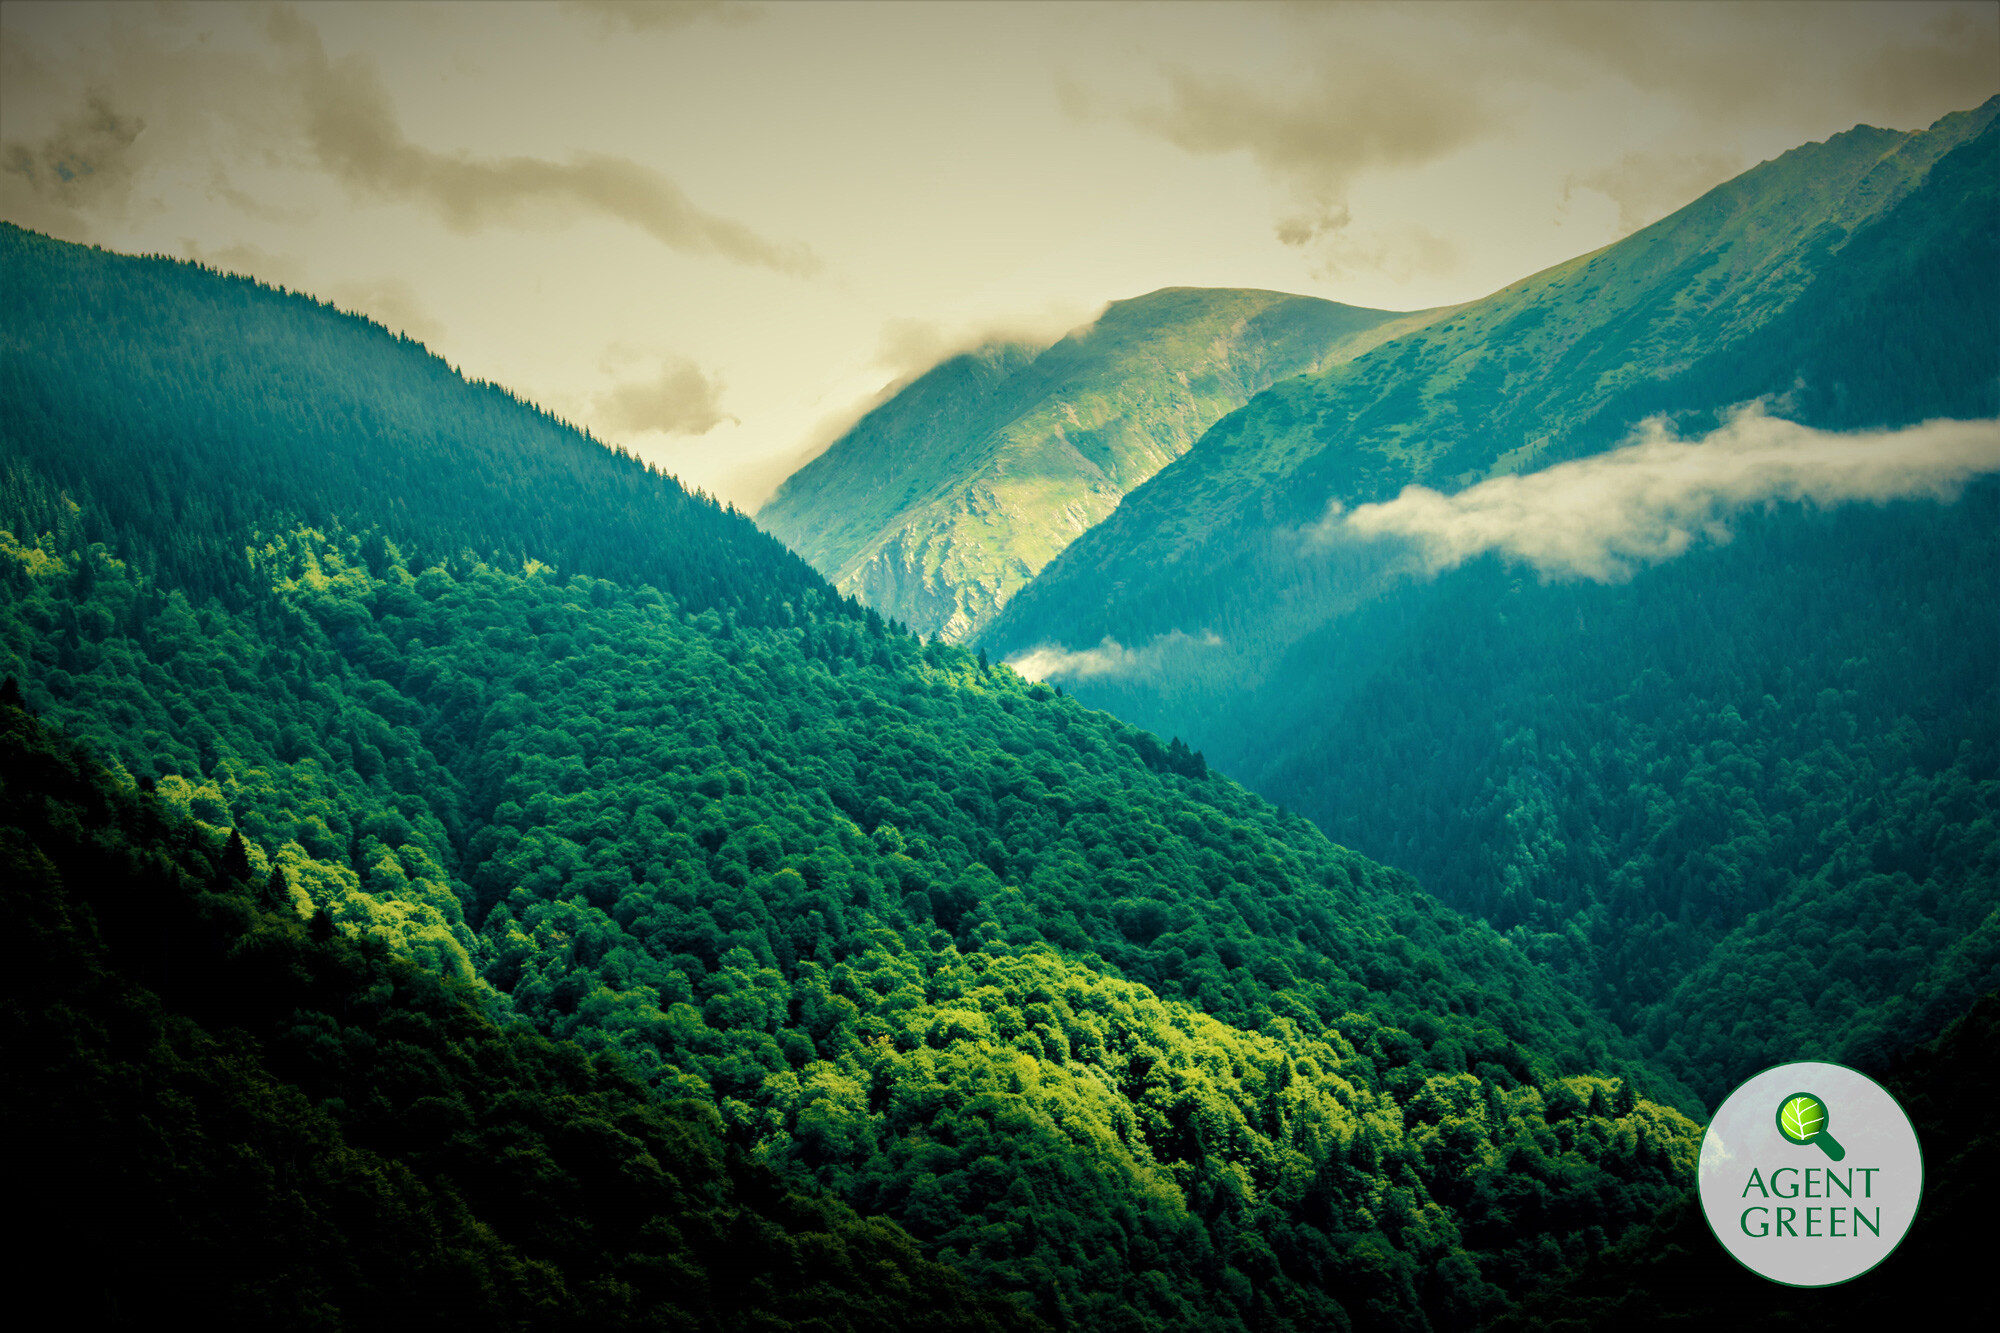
86	165
1320	138
1648	186
1369	88
1905	62
221	186
680	400
117	99
351	130
1950	56
663	15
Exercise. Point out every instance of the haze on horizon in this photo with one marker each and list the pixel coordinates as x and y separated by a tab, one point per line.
714	232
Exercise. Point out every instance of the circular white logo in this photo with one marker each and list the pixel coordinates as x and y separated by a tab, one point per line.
1810	1174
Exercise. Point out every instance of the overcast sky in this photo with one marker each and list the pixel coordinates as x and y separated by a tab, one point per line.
712	232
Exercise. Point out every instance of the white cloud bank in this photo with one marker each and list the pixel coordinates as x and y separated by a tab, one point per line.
1603	517
1109	658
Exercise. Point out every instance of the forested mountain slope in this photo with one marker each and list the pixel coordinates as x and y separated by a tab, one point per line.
962	951
117	372
1748	802
1849	274
1105	1032
948	498
1745	799
218	1107
1674	1276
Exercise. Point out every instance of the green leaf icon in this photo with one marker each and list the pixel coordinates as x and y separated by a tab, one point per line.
1802	1119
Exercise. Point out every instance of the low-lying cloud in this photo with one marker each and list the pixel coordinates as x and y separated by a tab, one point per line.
680	400
1109	659
909	347
1603	518
1648	186
389	301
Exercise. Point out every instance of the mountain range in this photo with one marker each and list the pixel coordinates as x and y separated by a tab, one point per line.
943	502
377	819
1614	676
458	876
1850	277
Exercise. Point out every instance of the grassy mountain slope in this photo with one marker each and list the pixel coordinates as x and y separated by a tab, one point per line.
1103	1031
1745	801
944	501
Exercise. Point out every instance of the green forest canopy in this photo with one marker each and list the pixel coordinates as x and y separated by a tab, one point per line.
1748	803
1102	1030
955	948
215	1106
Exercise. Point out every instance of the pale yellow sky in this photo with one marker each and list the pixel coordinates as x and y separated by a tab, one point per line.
712	232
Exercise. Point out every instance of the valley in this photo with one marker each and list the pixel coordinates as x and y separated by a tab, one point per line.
465	876
1658	765
1096	1028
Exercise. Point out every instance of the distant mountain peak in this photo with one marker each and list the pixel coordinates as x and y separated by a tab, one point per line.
1694	313
943	501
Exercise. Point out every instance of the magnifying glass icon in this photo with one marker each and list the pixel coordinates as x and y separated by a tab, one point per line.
1803	1118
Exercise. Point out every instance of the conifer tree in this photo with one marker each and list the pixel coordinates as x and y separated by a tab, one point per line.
236	857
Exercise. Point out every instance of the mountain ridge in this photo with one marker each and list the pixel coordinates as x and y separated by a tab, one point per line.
955	492
1658	781
1097	1028
1469	396
232	335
